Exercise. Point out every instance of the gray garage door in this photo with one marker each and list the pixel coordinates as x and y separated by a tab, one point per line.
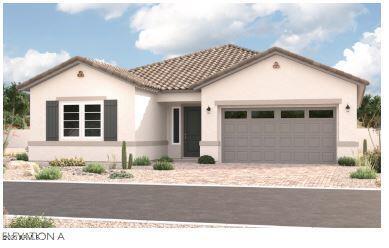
282	135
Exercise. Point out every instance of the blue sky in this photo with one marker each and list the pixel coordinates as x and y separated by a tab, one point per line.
133	35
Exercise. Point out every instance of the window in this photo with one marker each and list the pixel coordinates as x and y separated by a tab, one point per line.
292	114
176	125
321	113
81	120
93	120
71	120
235	114
262	114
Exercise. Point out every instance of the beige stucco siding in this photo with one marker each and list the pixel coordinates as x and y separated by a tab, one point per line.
292	81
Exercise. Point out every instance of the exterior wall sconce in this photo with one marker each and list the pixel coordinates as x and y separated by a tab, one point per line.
348	108
209	109
276	65
80	74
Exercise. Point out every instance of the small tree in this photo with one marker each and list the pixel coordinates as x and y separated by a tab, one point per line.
369	114
124	155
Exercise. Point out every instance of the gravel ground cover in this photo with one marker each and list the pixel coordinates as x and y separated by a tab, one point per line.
288	175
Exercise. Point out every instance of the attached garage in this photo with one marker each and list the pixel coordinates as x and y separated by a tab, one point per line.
279	135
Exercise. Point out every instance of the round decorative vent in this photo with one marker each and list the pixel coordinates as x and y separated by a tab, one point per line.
276	65
80	74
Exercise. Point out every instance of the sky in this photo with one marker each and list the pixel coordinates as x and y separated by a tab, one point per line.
40	36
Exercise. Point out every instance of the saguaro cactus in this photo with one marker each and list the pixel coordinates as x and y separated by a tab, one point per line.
124	155
364	147
129	161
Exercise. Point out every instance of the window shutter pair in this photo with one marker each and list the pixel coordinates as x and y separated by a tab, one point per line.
110	120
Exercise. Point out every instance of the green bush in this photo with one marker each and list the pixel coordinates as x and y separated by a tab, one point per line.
22	156
49	173
346	161
206	159
130	161
375	160
94	168
364	172
31	222
64	162
120	175
166	158
143	160
124	155
163	165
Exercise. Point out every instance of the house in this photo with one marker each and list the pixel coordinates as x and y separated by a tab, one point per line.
229	102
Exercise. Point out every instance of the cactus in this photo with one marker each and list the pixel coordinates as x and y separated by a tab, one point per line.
364	147
129	161
124	155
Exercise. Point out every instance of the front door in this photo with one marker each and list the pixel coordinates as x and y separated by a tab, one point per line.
192	131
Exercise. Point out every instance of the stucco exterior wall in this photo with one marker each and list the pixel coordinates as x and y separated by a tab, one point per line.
291	81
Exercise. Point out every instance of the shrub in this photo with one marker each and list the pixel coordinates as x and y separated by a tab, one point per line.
22	156
120	175
64	162
346	161
94	168
130	161
49	173
364	172
31	222
375	160
143	160
124	155
206	159
166	158
163	165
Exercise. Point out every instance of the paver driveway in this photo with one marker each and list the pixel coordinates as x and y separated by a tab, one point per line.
232	205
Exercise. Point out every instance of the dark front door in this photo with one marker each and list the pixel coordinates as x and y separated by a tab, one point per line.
192	131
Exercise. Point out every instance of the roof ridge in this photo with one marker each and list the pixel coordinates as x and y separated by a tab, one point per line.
193	53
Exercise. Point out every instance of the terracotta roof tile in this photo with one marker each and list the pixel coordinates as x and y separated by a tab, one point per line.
182	72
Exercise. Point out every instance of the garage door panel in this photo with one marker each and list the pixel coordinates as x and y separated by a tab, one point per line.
269	141
242	156
286	141
228	128
256	141
270	128
242	142
242	128
269	156
299	128
279	140
228	142
256	156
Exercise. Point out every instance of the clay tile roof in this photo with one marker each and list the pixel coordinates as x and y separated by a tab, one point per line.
182	72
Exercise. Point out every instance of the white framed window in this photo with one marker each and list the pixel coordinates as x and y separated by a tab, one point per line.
81	120
176	125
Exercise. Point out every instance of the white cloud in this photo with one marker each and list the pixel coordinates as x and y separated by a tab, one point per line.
172	29
178	28
305	25
109	11
364	59
32	63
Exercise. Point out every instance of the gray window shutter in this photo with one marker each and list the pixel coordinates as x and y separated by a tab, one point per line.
110	120
52	121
